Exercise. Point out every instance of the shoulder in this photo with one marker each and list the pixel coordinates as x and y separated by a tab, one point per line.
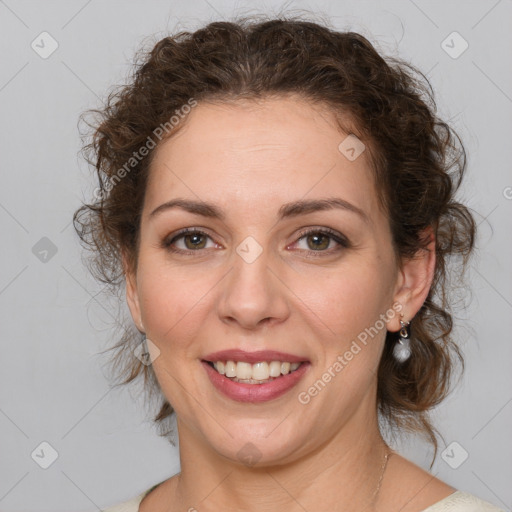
461	501
409	488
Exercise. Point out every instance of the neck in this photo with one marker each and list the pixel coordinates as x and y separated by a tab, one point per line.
344	473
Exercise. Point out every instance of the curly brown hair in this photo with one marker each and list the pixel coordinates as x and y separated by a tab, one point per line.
417	159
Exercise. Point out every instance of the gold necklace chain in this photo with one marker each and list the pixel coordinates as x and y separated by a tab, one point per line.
382	471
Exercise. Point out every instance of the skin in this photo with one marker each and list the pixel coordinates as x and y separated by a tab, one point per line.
248	159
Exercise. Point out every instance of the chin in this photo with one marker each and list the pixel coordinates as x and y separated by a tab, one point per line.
259	443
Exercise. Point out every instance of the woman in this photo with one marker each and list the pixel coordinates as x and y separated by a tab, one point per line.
279	201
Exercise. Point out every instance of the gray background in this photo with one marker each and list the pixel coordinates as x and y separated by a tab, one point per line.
54	317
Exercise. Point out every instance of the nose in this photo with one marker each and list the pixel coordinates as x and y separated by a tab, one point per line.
253	295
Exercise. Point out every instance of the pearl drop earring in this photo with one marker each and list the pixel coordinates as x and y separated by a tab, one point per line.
402	348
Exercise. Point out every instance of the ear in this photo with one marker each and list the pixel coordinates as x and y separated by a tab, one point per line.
132	296
414	281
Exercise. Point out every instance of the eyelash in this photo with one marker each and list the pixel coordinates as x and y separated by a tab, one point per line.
338	238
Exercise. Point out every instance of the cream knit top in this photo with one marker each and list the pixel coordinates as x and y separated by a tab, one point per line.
459	501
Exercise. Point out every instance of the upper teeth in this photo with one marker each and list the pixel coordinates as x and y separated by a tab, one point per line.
258	371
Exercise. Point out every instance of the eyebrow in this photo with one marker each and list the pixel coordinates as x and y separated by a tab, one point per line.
288	210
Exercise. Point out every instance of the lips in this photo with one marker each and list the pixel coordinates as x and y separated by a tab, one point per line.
253	357
254	393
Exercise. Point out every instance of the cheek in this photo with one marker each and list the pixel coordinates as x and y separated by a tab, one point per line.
348	299
172	300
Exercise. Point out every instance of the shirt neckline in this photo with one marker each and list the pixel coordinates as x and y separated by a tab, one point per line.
138	499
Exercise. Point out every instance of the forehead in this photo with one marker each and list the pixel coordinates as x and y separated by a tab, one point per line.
265	153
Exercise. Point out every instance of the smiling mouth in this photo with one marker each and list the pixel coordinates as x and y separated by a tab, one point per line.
258	373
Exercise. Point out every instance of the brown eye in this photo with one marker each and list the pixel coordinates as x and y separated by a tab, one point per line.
322	241
191	240
318	241
195	241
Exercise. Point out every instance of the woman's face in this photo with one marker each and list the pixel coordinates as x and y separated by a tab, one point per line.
265	266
